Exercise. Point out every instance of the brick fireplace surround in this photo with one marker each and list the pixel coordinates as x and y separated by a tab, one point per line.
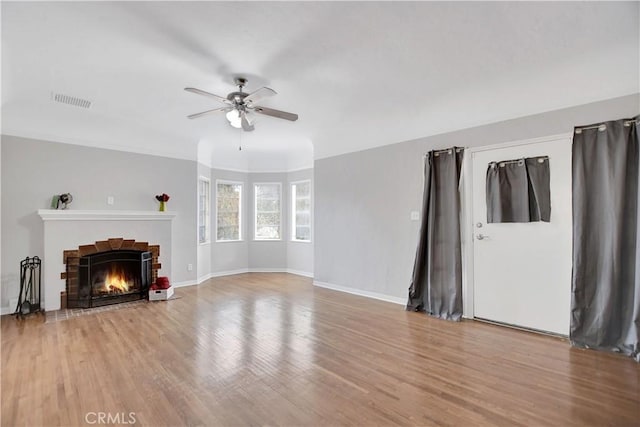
72	230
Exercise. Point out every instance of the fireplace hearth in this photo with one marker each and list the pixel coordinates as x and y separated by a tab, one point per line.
109	272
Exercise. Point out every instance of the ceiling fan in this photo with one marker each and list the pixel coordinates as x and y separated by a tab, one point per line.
240	106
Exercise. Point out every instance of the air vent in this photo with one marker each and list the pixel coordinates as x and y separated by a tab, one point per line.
71	100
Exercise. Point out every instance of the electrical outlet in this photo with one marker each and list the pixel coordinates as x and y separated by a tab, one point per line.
110	200
189	267
415	216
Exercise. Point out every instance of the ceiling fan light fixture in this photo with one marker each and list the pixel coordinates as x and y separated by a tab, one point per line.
234	119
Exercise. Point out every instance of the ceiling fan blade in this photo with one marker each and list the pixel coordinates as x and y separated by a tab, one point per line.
257	95
215	110
210	95
248	127
276	113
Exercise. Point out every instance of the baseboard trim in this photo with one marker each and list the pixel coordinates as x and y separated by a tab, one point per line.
184	284
227	273
300	273
204	278
281	270
240	271
5	310
267	270
359	292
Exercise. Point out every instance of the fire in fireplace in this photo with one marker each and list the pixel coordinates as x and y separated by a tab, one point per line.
116	281
109	272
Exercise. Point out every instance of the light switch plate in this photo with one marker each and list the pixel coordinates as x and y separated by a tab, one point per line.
110	200
415	216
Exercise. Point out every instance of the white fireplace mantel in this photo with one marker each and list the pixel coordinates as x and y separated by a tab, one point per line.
102	215
68	229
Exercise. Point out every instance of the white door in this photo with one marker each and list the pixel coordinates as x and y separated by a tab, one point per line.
522	271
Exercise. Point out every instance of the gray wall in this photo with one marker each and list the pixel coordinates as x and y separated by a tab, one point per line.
265	255
300	254
259	255
229	256
204	249
33	171
1	281
364	238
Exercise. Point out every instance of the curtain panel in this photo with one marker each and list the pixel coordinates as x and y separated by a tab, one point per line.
519	190
605	306
436	285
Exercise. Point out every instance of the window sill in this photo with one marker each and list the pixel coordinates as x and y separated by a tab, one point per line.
300	241
229	241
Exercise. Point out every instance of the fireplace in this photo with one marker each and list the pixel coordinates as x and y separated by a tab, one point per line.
109	272
111	277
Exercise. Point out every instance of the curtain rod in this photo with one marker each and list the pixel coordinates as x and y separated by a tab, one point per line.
603	126
445	150
501	163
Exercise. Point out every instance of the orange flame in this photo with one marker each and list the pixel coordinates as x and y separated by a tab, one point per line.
116	282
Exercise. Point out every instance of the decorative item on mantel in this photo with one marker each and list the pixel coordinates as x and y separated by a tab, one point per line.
61	201
163	199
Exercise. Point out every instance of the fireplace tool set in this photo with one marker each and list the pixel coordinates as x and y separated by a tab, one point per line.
30	288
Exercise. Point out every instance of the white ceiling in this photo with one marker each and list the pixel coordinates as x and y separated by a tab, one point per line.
359	74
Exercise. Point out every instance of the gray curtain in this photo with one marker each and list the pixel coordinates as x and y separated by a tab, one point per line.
605	306
518	190
436	285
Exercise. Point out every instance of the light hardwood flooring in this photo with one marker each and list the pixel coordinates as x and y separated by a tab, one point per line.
271	349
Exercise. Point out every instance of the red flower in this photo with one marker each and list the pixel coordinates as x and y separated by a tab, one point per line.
164	197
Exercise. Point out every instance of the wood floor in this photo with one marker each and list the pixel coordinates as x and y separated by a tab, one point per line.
271	349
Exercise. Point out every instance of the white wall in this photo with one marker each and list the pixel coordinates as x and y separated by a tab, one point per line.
364	238
34	170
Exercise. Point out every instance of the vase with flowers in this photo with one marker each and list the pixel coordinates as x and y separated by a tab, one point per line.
163	199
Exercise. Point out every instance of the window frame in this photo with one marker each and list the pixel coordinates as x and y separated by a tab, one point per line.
240	210
255	212
293	211
207	207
